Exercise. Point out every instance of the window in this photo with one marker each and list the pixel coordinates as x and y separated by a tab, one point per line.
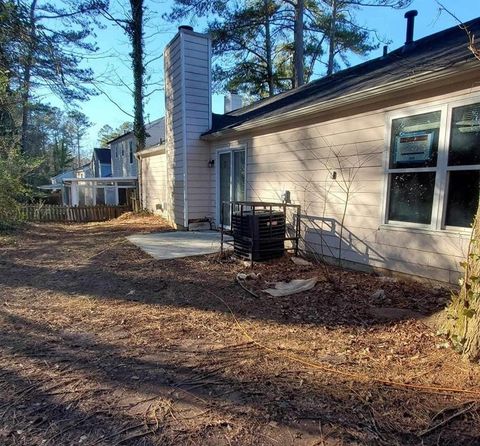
231	177
434	167
99	195
123	149
130	144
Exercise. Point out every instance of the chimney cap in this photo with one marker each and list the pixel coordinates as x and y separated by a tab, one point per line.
185	28
411	13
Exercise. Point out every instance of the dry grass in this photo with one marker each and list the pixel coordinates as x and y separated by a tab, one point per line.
102	345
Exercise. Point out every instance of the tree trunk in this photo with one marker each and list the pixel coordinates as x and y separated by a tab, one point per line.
332	38
268	49
463	314
136	36
298	43
26	81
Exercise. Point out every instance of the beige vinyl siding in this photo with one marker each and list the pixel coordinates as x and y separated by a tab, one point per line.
188	115
302	160
197	116
154	182
174	132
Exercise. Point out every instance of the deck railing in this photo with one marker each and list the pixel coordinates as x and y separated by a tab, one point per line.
71	214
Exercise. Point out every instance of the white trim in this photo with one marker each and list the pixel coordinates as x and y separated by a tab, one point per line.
411	170
441	180
100	179
442	169
151	151
184	129
209	43
453	231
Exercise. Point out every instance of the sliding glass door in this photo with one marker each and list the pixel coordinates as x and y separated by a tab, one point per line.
231	181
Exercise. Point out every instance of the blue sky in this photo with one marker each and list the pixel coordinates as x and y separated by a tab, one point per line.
112	63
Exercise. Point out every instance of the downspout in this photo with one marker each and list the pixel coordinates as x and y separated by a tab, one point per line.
139	181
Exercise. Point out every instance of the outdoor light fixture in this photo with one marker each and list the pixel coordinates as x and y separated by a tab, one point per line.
211	163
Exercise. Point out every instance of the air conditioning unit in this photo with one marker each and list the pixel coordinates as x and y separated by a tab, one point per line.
258	235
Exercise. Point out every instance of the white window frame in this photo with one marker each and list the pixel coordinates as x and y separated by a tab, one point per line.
230	150
439	205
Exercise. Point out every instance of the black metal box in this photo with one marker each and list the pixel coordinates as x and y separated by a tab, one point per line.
258	235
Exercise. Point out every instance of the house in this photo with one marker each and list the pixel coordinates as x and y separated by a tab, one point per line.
114	179
123	148
383	157
102	163
93	184
56	181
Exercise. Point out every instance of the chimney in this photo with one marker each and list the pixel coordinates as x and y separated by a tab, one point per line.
188	114
232	101
410	16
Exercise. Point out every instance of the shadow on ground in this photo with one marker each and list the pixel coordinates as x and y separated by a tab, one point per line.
101	345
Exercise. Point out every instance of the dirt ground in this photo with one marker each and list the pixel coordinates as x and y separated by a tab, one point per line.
102	345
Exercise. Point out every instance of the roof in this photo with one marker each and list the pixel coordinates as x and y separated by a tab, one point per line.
148	126
120	136
438	51
103	155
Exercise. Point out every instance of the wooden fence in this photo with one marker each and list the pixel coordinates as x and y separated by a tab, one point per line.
71	214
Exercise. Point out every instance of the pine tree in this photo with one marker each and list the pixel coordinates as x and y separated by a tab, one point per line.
46	54
77	124
263	47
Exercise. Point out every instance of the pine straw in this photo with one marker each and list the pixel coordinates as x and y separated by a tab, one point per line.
99	344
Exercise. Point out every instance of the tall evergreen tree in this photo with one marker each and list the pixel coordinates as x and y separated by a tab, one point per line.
78	124
107	132
263	47
47	53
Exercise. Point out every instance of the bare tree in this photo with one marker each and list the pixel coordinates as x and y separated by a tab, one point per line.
462	324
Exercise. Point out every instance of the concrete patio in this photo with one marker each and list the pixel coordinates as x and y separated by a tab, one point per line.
178	244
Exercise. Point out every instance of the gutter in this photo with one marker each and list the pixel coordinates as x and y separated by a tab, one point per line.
367	96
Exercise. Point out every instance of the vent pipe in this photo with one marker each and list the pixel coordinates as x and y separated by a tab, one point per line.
410	16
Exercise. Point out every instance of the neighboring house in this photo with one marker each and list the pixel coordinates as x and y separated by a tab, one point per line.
114	176
401	133
102	163
93	184
57	183
84	171
123	148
